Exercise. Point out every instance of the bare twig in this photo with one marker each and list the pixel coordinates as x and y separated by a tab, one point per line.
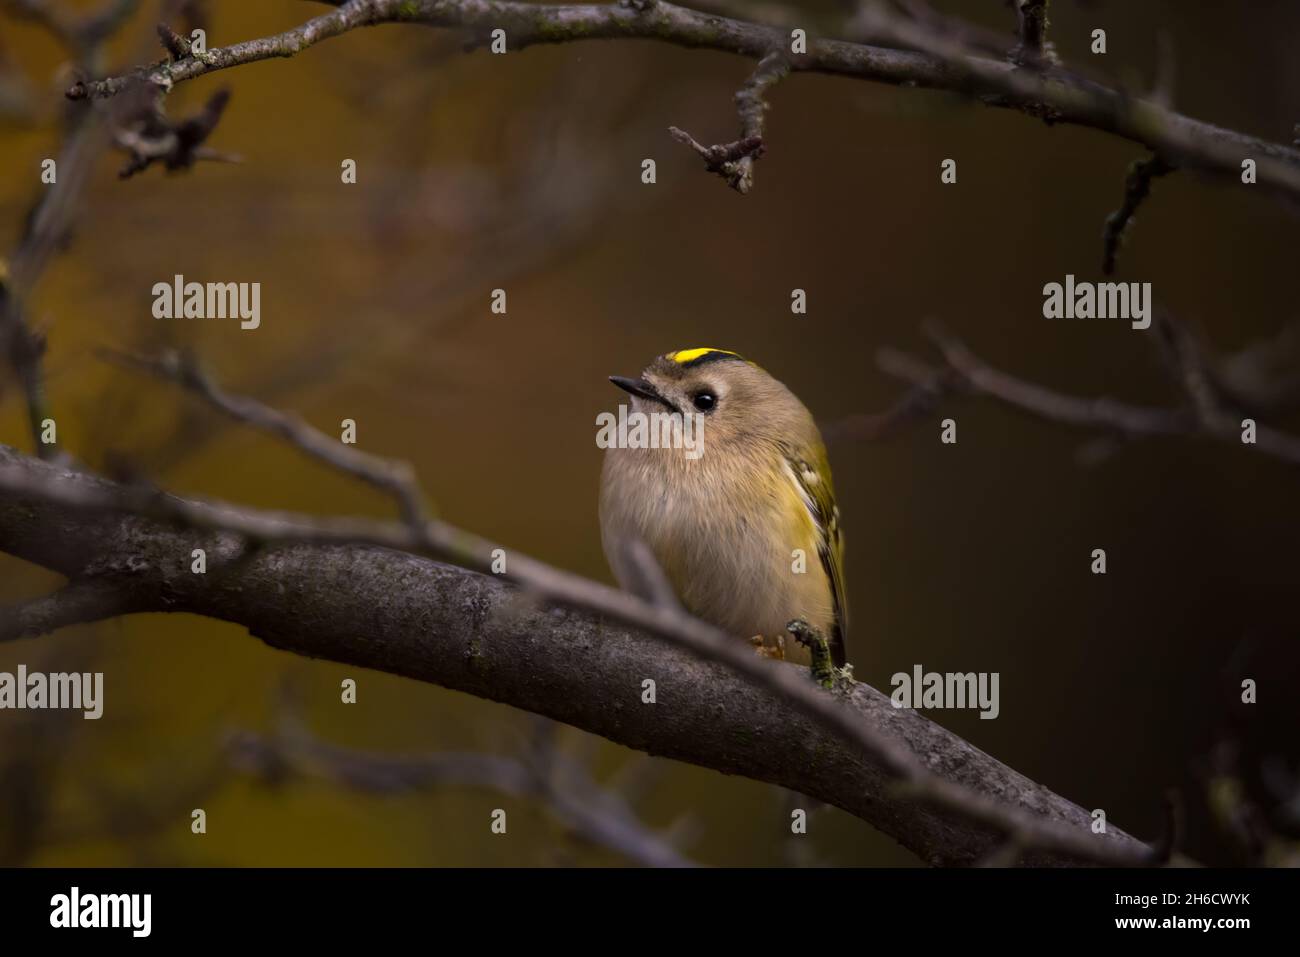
1263	377
49	222
1059	97
929	386
734	161
564	787
149	137
1125	419
725	159
942	63
46	233
1207	416
394	478
1031	26
1190	365
1137	186
81	35
175	44
651	581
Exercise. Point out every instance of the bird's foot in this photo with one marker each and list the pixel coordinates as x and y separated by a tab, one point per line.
823	668
769	647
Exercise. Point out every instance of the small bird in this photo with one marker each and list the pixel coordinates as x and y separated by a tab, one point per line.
747	531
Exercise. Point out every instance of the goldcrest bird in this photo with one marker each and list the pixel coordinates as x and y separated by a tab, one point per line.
746	530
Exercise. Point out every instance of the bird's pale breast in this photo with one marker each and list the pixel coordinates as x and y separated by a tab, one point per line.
748	570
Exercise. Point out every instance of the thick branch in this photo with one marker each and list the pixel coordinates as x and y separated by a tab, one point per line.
394	612
666	619
1052	94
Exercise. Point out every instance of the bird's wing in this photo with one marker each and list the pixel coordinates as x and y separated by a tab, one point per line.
812	476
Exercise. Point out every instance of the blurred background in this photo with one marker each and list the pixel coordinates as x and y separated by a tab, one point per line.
523	172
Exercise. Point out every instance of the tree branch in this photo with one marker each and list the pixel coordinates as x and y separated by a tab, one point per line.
80	34
965	373
1031	25
329	597
394	478
437	539
734	161
1137	186
564	787
664	617
49	222
942	63
74	604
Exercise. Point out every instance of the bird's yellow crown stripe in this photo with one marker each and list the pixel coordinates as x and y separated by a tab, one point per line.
683	356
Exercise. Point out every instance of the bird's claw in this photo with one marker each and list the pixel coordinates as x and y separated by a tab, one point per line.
823	668
769	647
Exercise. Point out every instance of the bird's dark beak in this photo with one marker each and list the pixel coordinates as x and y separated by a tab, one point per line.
638	387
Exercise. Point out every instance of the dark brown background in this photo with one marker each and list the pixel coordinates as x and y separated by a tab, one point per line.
523	172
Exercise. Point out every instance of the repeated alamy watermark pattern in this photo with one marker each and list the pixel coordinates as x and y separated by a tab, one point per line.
57	691
179	299
933	689
1098	300
651	430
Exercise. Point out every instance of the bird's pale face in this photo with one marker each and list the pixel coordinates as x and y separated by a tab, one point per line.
722	387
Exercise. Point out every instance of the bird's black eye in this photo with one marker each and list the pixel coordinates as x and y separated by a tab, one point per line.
705	401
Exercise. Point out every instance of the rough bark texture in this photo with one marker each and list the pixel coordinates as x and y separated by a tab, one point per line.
409	616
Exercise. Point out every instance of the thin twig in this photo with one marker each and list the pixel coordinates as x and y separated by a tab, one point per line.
929	386
1031	26
734	161
942	63
1206	416
392	477
49	222
1137	186
564	787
